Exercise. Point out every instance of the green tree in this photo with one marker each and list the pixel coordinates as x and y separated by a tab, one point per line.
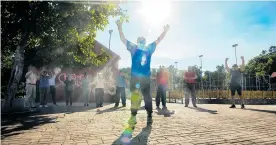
52	31
262	65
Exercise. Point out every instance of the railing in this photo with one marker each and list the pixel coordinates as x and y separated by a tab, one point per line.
220	94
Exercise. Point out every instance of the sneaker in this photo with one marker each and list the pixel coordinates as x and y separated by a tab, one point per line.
124	105
157	108
242	106
195	106
132	121
40	106
232	106
116	106
149	120
45	106
164	108
101	105
186	105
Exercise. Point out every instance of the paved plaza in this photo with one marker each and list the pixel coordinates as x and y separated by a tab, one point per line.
208	124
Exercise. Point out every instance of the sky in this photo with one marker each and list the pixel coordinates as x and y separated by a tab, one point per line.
196	28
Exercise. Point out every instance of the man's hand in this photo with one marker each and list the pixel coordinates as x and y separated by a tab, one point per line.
119	23
226	59
166	28
242	57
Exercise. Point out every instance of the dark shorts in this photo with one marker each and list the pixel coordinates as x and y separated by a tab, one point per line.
235	88
143	81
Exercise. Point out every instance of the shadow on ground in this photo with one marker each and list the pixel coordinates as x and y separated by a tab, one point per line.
109	110
15	122
53	110
259	110
15	125
141	139
199	109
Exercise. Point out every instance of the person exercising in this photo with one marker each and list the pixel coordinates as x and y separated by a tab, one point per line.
140	73
235	82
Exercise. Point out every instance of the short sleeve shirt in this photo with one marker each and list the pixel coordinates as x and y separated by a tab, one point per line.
236	77
141	59
189	75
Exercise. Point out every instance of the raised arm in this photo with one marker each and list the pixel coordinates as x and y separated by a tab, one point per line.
122	36
28	74
226	65
242	65
166	29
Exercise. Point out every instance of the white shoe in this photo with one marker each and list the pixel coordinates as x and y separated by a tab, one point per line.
45	106
40	106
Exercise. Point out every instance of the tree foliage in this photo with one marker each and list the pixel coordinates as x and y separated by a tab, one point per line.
59	33
263	64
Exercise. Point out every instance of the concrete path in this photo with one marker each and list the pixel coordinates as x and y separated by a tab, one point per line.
207	124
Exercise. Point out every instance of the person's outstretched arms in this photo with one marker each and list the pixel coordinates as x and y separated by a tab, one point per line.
130	46
226	65
122	36
166	29
242	65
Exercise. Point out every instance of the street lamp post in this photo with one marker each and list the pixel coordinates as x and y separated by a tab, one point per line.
175	73
200	57
110	32
235	45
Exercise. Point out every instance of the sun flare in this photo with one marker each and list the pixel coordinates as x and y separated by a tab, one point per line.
155	12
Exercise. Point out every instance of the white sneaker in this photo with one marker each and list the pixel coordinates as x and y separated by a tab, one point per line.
40	106
45	106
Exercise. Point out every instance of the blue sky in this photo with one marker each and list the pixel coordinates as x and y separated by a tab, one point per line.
207	28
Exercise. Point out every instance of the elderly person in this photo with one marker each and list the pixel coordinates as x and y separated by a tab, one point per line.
189	84
69	89
31	78
85	89
120	89
162	82
99	90
52	83
44	88
236	79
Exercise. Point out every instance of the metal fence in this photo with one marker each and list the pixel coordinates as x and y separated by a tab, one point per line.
253	86
248	82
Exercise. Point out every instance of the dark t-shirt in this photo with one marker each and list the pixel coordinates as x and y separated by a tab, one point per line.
141	59
69	85
236	77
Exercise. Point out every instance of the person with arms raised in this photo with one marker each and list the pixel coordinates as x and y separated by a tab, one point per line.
140	74
236	80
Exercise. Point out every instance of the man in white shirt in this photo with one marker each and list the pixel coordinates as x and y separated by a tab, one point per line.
31	78
52	83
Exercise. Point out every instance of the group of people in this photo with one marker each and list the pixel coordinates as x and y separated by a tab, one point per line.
47	85
46	81
140	78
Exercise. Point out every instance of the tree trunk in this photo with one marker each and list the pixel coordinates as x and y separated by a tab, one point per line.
16	74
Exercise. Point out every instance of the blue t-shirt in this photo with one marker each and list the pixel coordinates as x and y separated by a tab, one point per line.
44	82
121	81
141	59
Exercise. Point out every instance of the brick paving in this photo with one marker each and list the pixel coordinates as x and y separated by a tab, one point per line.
209	124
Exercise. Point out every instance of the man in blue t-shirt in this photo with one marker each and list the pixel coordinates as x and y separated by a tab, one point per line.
140	72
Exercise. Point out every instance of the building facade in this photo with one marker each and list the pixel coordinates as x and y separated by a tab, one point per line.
108	71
